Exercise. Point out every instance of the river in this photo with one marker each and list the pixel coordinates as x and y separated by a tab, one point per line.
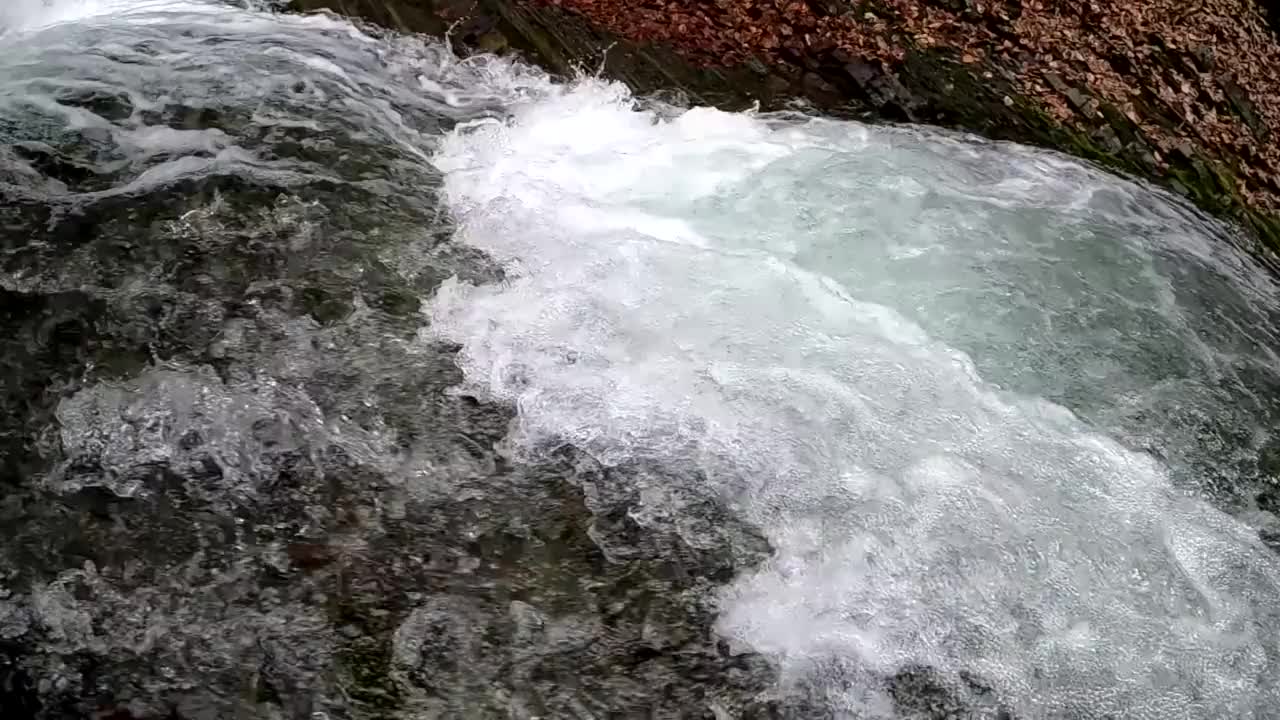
346	378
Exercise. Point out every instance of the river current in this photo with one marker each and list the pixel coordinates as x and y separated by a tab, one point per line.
349	378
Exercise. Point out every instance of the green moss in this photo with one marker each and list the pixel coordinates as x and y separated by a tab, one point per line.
364	660
1210	185
954	95
1266	227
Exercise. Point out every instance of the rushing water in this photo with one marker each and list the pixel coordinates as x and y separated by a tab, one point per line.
347	377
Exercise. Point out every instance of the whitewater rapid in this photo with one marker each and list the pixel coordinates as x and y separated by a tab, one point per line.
989	406
744	297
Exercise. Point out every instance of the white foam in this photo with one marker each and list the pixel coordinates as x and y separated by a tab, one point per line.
27	15
673	298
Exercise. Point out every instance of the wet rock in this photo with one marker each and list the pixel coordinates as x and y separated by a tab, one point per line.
919	692
882	90
109	106
67	171
1056	82
1242	106
1081	101
492	42
1203	58
1142	152
821	91
1108	139
1120	125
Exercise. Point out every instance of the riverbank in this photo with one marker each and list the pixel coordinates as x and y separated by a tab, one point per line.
1179	94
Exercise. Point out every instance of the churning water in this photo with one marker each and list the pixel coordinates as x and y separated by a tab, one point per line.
1000	417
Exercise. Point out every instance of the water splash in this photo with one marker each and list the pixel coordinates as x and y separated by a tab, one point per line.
721	293
32	15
